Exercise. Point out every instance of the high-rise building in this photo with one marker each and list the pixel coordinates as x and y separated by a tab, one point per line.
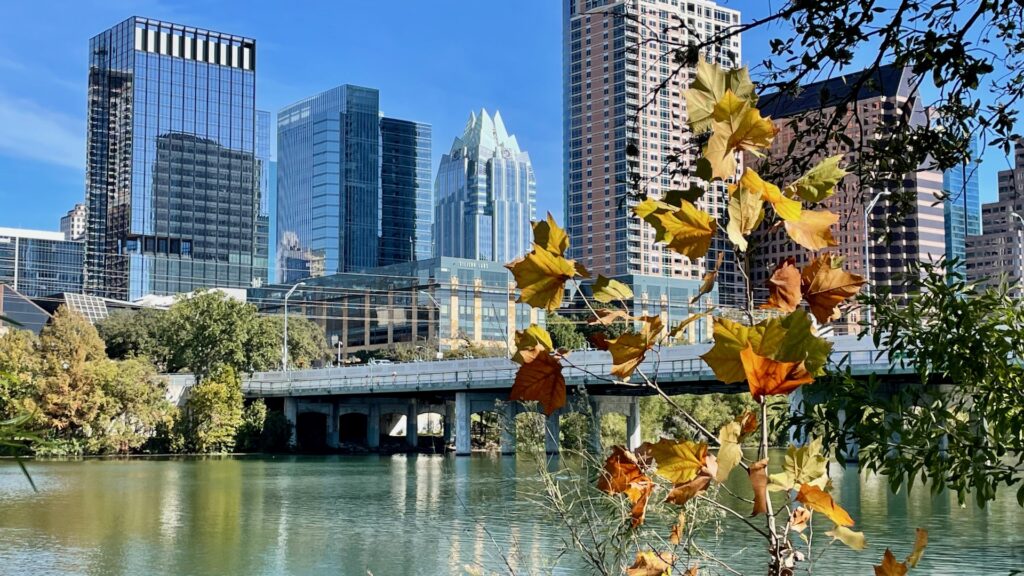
615	58
486	194
888	94
962	208
172	176
39	263
72	224
334	151
999	250
261	250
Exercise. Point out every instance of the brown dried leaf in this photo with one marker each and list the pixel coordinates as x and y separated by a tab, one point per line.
541	380
758	473
784	287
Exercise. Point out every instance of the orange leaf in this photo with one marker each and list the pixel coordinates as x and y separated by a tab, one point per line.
889	566
758	473
919	545
812	229
799	518
652	564
748	421
682	493
629	349
708	282
621	471
825	286
541	277
639	510
598	340
677	529
767	377
820	501
784	286
607	317
541	380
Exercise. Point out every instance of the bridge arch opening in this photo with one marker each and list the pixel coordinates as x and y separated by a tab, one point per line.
392	430
485	430
352	428
576	431
613	430
530	430
311	431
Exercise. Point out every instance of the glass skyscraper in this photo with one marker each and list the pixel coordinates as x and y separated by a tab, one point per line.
486	194
353	187
172	177
261	256
962	207
39	263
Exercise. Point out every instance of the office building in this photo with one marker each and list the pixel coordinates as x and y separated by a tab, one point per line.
172	175
962	208
39	263
72	224
264	171
614	59
997	254
353	187
486	194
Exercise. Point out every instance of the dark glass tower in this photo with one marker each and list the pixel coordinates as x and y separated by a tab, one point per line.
406	196
172	178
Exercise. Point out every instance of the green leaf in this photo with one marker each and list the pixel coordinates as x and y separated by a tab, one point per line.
803	465
607	290
820	181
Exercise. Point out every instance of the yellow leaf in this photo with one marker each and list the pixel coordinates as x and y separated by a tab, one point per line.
825	287
784	287
607	290
652	564
789	339
736	126
855	540
678	462
804	465
530	342
768	377
709	86
687	230
746	211
629	349
730	439
541	277
820	501
920	542
889	566
550	236
540	380
786	208
820	182
813	229
708	283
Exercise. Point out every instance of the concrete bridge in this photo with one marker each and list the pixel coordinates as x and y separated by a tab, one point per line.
356	404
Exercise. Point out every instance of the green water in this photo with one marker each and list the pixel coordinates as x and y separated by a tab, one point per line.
393	515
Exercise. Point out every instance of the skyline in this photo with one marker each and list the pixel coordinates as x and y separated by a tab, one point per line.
428	65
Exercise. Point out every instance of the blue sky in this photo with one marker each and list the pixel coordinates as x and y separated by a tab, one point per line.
433	61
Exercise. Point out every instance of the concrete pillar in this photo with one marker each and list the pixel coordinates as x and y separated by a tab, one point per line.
595	426
412	437
373	426
333	438
508	428
462	424
291	413
448	425
633	439
552	431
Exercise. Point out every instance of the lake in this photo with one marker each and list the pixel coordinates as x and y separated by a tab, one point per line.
398	515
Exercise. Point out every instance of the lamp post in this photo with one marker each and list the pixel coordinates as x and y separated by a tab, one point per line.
438	306
867	247
1020	250
284	347
336	341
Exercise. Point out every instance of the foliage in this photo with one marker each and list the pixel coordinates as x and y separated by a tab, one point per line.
307	343
277	433
564	333
134	406
254	416
213	412
68	395
136	333
19	366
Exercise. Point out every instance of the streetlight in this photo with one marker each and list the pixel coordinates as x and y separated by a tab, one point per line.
284	348
1020	250
438	306
336	341
867	248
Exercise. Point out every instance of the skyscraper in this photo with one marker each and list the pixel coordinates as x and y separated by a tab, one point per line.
352	186
962	207
72	224
264	172
614	59
172	177
486	194
40	263
999	249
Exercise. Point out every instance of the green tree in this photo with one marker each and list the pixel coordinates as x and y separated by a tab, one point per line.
564	333
68	395
19	367
307	343
213	412
209	329
254	417
134	406
134	333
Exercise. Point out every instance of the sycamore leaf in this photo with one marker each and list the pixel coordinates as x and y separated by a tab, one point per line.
677	529
621	472
889	566
550	236
736	126
855	540
746	211
820	501
724	357
709	86
920	542
531	342
786	208
825	287
607	317
784	287
608	290
683	492
730	440
813	230
691	194
804	465
708	283
799	518
629	349
541	380
767	377
758	473
581	270
677	330
820	182
598	340
541	277
687	230
678	462
652	564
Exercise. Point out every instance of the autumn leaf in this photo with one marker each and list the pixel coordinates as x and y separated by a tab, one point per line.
920	542
541	380
678	328
767	377
550	236
803	465
825	286
724	357
541	277
708	283
855	540
608	290
621	472
629	349
678	462
820	181
730	440
785	207
784	287
685	491
799	518
736	125
687	230
676	536
889	566
746	211
813	230
652	564
531	342
581	270
758	473
598	340
691	194
609	316
820	501
709	86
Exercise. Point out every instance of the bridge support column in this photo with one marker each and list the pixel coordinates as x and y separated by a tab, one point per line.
462	424
448	426
291	413
595	426
508	428
633	437
412	425
552	430
373	426
333	439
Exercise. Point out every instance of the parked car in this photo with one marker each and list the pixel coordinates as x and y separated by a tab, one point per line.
376	361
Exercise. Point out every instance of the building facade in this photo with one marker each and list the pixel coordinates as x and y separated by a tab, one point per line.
998	252
613	62
264	188
38	263
72	224
331	204
172	176
962	208
486	194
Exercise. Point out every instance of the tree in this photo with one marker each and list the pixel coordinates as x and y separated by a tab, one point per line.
135	333
564	333
307	344
213	412
134	407
68	395
19	367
